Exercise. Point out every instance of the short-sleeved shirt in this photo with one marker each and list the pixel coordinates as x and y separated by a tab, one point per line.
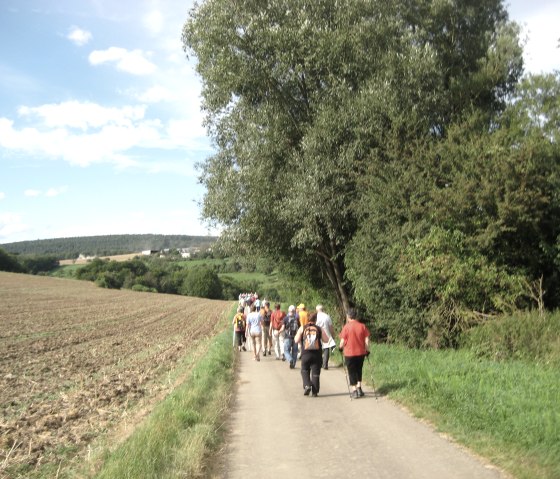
354	334
254	323
302	316
277	318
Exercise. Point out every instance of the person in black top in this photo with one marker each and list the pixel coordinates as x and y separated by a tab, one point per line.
311	338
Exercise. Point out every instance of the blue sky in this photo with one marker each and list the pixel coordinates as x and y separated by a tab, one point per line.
100	122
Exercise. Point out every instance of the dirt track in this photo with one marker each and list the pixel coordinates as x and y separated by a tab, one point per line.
277	432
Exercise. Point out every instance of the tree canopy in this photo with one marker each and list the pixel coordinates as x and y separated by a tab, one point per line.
360	140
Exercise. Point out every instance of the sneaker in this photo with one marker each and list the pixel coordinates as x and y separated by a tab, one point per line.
292	365
355	395
244	349
314	395
264	354
307	390
283	358
360	392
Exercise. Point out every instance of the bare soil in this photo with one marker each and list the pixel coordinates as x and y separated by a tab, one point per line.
75	358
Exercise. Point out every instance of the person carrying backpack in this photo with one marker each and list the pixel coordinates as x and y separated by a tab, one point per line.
291	326
354	342
239	325
311	338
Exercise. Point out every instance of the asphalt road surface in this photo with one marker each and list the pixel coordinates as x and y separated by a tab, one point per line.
275	431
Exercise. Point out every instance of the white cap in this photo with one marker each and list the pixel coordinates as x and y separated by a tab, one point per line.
292	308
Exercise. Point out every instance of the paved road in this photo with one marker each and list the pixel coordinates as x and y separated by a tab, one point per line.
277	432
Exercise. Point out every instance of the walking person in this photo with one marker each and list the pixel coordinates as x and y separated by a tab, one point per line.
354	342
291	326
277	328
266	317
239	325
254	330
311	337
324	321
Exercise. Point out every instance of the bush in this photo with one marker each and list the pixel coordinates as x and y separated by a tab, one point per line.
143	289
525	335
8	262
203	283
36	264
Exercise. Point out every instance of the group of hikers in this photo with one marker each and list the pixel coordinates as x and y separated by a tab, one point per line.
300	335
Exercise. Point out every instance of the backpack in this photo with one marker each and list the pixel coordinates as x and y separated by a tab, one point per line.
291	326
266	319
311	337
239	322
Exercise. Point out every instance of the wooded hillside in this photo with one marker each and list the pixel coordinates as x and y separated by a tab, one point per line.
68	248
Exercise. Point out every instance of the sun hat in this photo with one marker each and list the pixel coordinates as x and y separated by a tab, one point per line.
301	306
292	308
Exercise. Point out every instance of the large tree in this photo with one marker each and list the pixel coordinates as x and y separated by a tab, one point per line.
309	100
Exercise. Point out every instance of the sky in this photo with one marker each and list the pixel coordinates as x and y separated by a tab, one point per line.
100	120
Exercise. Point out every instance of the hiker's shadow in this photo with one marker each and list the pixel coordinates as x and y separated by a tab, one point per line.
388	387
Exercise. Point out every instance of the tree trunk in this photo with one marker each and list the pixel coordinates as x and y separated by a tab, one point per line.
335	273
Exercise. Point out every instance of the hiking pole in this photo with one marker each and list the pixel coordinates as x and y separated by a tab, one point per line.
372	381
346	375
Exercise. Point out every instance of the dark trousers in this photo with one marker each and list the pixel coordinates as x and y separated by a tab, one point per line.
240	337
311	362
326	355
355	364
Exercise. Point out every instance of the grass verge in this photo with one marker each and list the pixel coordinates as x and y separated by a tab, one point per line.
508	412
183	430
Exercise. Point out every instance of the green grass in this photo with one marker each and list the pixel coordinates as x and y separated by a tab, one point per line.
66	271
180	434
508	412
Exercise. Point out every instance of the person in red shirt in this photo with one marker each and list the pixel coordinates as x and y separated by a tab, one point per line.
277	329
354	342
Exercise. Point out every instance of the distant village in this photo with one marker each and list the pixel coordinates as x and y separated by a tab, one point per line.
185	253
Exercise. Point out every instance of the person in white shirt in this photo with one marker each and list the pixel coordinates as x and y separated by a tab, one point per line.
325	323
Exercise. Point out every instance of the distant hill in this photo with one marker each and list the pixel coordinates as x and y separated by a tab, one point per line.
68	248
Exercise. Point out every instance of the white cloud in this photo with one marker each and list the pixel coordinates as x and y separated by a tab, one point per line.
153	21
11	224
134	62
78	36
541	53
52	192
156	94
2	195
83	115
86	133
32	193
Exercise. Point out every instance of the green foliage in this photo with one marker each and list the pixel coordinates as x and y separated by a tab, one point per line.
328	123
36	264
143	289
527	336
202	282
9	262
459	227
451	281
32	264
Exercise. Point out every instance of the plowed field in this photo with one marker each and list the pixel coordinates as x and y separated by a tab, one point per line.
74	357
